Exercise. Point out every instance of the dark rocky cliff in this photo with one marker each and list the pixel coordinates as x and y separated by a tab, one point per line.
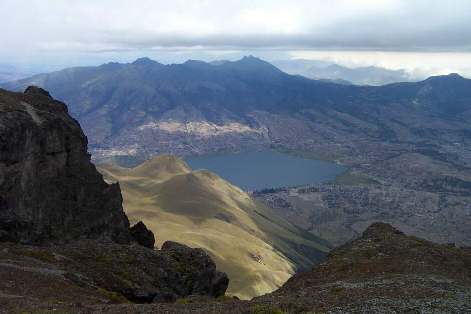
49	189
64	237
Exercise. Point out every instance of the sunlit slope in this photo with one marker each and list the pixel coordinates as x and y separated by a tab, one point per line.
257	249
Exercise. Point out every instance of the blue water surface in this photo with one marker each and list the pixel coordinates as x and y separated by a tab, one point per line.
268	169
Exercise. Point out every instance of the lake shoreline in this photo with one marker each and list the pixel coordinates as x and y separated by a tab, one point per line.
257	170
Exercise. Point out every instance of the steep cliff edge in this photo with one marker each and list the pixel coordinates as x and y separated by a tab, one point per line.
49	189
64	237
93	272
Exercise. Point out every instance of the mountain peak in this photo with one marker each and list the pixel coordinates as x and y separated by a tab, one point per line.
145	61
162	167
251	63
251	57
446	77
34	90
379	230
252	60
455	75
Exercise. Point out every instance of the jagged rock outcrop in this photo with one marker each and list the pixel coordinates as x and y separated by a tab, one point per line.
49	189
383	271
142	235
50	193
98	272
207	279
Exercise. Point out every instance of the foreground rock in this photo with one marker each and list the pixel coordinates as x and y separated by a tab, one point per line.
49	189
142	235
91	272
384	271
84	252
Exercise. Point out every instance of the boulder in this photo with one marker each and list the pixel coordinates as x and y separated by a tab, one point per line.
208	281
142	235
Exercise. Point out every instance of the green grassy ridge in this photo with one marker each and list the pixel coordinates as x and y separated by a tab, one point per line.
257	248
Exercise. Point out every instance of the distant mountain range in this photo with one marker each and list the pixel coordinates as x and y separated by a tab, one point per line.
145	108
10	73
323	70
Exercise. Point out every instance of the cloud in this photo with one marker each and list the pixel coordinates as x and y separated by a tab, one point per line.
418	65
412	34
364	25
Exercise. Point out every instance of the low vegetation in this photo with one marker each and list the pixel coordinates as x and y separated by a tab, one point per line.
256	248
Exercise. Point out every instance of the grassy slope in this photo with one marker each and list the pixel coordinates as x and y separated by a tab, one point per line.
257	249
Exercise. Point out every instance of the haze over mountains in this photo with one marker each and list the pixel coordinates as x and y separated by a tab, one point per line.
144	108
409	141
10	73
324	70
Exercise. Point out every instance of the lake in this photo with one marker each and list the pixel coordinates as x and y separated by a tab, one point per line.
268	169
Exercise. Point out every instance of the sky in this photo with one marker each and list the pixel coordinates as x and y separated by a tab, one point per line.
425	36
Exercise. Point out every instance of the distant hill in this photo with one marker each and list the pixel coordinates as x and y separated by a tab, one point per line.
258	249
10	73
146	108
323	70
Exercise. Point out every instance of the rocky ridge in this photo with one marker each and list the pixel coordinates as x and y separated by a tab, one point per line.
383	271
200	209
64	237
97	272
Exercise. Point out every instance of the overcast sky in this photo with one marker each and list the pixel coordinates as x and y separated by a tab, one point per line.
424	35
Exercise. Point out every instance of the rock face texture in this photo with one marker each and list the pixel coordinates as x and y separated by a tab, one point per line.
142	235
207	279
97	272
49	189
383	271
50	193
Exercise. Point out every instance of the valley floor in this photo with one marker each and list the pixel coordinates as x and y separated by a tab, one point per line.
425	192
